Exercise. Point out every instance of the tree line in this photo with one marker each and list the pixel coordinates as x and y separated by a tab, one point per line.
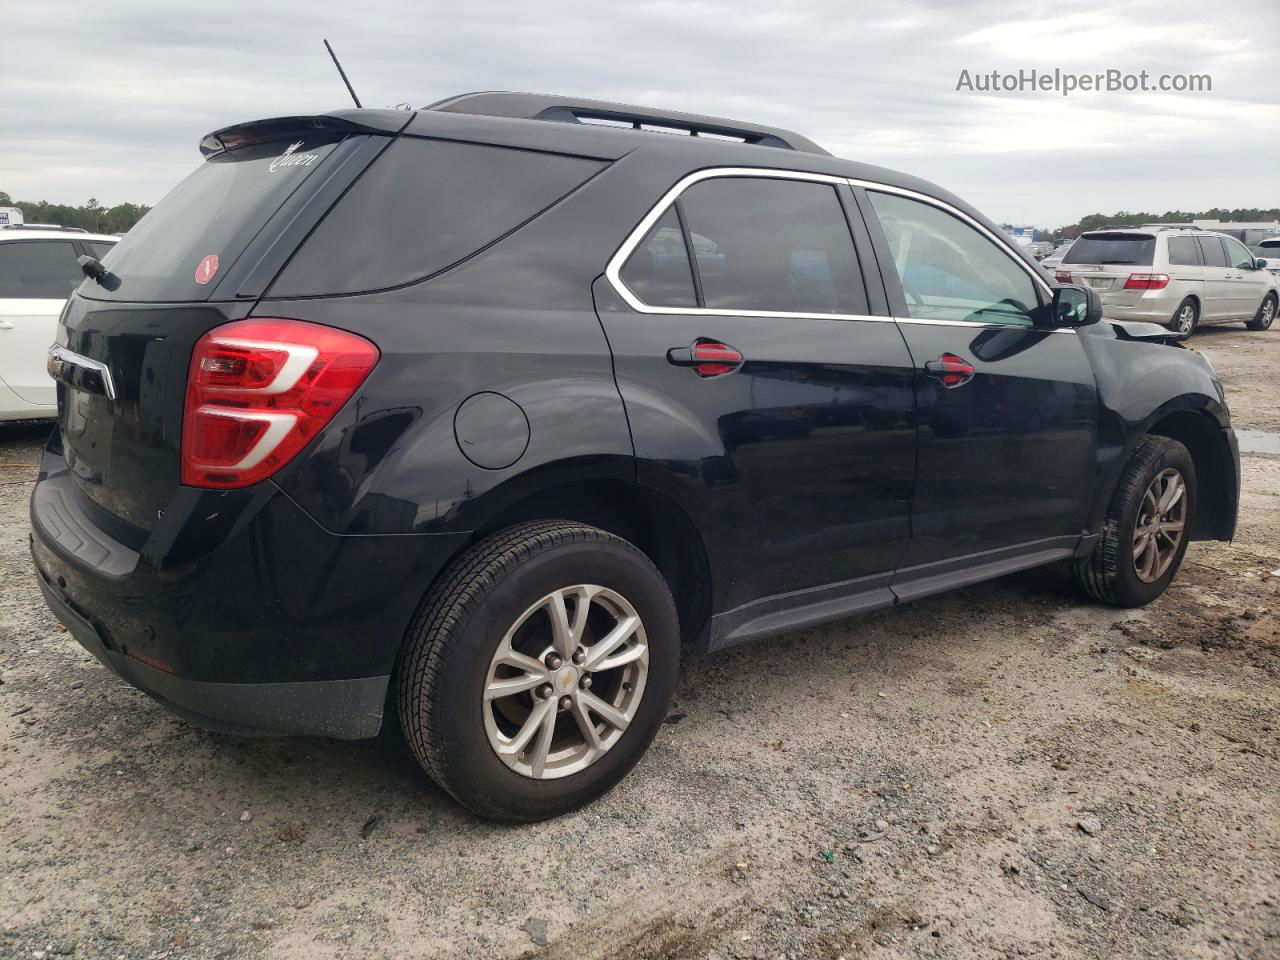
91	215
1124	218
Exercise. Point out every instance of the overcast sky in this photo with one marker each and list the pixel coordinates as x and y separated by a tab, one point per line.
108	99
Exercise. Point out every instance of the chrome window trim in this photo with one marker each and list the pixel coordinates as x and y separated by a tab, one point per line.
613	270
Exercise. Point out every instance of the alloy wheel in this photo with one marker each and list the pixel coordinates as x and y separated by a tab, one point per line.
1186	318
1160	525
1268	313
565	682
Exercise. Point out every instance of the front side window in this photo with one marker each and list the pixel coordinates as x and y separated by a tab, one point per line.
950	271
1213	252
773	245
1239	257
1183	252
38	270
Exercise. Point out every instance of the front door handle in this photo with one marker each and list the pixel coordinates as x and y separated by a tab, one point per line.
5	325
709	358
953	371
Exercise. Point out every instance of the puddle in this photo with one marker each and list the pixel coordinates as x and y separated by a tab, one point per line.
1258	441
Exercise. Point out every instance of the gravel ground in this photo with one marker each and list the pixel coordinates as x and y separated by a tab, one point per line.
1004	771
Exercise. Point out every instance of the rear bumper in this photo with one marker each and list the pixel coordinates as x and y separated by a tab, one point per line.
343	709
237	610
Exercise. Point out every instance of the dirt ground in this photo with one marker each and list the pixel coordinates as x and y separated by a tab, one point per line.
1005	771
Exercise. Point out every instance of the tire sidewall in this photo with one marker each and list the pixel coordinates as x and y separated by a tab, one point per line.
1133	591
1176	323
458	708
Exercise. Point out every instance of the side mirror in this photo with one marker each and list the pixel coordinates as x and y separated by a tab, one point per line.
1076	306
1261	263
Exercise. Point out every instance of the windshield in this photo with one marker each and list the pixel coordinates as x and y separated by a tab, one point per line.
201	226
1129	249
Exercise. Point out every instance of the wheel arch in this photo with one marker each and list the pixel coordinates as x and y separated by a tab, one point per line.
638	514
1215	462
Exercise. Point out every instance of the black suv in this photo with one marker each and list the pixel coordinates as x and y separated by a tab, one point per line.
479	413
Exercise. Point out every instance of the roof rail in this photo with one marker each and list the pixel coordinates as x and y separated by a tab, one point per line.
537	106
42	226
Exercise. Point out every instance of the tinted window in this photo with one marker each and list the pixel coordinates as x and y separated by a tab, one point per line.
1129	249
217	210
659	272
773	245
1212	251
1183	251
950	271
98	248
1238	256
38	269
423	206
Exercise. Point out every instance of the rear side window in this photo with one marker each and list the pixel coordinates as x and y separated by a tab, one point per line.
1212	251
423	206
1183	252
776	245
216	211
659	272
38	270
98	248
1128	249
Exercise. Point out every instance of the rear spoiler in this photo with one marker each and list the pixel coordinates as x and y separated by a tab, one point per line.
384	122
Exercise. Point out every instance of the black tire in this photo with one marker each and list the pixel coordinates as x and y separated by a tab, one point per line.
1178	322
453	638
1109	573
1263	319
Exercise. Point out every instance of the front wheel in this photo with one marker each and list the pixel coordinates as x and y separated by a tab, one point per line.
1266	314
1144	534
539	669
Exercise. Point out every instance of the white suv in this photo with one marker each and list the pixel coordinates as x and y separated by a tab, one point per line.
38	271
1175	277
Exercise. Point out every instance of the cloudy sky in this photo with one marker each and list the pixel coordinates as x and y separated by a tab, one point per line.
108	99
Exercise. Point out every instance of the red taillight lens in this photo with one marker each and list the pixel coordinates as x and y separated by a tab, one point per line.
1147	281
259	390
1063	276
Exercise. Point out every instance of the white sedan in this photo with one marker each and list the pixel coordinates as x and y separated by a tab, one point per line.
38	271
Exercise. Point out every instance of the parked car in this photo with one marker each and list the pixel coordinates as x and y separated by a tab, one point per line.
1056	254
478	415
38	270
1041	249
1176	277
1269	250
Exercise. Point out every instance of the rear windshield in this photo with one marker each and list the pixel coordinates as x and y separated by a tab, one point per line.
1129	249
423	206
214	212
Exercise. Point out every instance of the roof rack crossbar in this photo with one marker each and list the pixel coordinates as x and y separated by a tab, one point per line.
533	106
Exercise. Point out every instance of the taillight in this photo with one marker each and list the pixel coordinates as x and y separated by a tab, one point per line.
1147	281
1063	276
258	390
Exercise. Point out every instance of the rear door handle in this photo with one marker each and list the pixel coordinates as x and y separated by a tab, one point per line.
953	371
709	358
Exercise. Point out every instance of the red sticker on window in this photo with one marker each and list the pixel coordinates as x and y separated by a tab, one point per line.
207	268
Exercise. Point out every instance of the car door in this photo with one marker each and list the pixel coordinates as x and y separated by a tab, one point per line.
1248	284
1218	286
762	393
1006	407
36	277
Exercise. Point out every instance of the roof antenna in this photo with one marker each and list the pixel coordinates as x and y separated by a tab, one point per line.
342	73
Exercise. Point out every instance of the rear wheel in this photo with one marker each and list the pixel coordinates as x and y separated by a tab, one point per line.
1266	314
539	669
1185	317
1144	534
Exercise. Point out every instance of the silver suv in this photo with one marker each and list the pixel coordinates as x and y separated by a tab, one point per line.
1175	277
